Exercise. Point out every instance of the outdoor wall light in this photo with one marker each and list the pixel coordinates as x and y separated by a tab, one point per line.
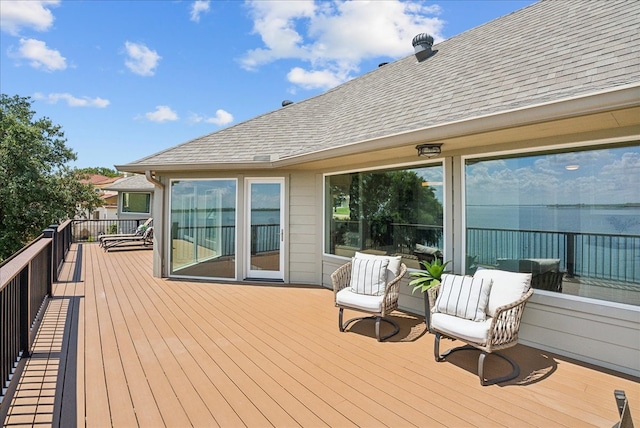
429	150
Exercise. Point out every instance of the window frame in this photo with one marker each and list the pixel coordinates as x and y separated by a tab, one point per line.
446	184
237	209
573	147
122	210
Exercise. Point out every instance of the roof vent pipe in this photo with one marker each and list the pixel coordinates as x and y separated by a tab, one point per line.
422	46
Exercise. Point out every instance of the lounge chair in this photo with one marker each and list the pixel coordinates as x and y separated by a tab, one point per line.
369	284
135	232
143	240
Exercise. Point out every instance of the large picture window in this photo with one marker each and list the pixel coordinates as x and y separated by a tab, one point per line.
397	211
572	219
139	203
203	228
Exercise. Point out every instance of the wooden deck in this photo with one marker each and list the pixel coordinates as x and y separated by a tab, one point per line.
120	348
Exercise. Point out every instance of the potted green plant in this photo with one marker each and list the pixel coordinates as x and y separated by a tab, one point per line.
427	279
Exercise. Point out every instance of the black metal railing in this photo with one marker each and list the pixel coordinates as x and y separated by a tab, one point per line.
89	230
393	237
265	238
222	239
591	255
26	279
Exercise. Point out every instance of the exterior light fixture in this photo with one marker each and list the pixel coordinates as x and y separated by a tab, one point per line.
429	150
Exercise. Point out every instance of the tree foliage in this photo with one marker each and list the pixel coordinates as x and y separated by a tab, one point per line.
101	170
397	208
37	188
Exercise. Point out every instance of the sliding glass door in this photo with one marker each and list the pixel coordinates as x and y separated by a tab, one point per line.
203	228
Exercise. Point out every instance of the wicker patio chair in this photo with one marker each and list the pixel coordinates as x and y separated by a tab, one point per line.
358	296
551	281
489	321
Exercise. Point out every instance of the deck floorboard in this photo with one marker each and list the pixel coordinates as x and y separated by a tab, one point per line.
141	351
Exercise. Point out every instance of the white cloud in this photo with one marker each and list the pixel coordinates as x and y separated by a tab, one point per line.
33	14
221	118
162	114
73	101
141	60
39	55
603	177
197	8
314	79
334	38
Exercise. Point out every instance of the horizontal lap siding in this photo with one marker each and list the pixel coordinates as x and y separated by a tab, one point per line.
305	216
609	337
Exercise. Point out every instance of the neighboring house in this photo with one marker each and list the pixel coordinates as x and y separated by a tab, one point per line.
537	116
134	197
110	208
99	183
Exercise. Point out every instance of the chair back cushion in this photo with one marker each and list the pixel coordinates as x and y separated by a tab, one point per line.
463	296
393	268
507	287
369	276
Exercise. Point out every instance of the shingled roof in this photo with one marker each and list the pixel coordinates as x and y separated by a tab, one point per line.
134	183
546	52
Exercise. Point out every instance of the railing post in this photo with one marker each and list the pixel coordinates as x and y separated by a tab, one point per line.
52	232
25	322
571	254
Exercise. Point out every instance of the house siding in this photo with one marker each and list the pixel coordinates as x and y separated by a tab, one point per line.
304	242
596	332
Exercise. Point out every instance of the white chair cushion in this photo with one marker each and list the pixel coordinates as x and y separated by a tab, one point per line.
369	276
346	297
507	287
393	269
463	296
467	330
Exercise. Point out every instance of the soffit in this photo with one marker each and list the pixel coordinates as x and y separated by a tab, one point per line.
614	124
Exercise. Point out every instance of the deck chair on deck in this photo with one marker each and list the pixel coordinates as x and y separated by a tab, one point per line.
484	311
138	231
369	284
143	240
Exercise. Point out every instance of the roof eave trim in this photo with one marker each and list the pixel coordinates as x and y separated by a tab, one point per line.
208	166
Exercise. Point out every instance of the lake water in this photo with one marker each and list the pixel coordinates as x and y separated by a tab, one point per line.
597	219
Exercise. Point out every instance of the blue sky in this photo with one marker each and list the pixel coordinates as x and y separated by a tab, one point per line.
126	79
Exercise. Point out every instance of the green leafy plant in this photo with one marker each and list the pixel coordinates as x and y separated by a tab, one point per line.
430	277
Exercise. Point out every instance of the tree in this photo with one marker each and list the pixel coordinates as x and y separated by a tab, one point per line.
101	170
396	207
37	188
